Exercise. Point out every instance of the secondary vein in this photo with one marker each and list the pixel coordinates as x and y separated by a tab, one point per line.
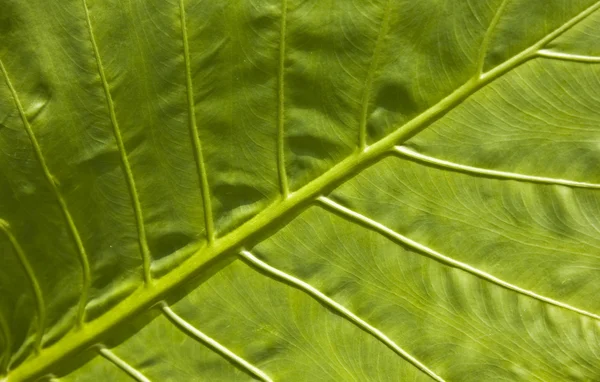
6	353
207	341
533	50
360	219
283	179
143	242
488	37
569	57
409	153
121	364
33	281
200	165
74	233
366	97
339	308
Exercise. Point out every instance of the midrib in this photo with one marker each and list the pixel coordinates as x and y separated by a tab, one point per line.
267	221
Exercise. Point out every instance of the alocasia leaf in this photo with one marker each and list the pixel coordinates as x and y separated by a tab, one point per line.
293	190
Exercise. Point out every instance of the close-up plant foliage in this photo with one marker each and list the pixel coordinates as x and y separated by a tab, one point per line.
299	190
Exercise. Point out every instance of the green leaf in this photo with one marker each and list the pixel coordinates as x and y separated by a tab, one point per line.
299	190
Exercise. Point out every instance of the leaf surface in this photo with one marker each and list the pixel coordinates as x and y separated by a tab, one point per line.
299	190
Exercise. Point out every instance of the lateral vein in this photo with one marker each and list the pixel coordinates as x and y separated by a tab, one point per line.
568	57
360	219
337	307
409	153
35	285
143	243
6	353
121	364
200	165
207	341
488	36
569	24
283	179
74	233
532	51
366	97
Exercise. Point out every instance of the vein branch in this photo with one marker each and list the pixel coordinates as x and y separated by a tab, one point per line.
533	50
375	226
207	341
337	307
488	37
568	25
421	158
6	353
33	281
74	233
283	179
366	97
200	165
143	242
568	57
121	364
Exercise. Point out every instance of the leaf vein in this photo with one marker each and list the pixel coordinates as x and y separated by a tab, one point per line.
33	281
544	53
74	233
337	307
435	162
200	165
373	225
488	36
143	243
6	335
283	179
366	97
121	364
207	341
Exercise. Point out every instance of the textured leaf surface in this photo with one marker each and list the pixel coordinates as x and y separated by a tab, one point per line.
293	190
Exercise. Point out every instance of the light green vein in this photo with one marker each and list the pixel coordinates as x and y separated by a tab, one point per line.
200	166
362	220
533	50
283	179
143	242
5	356
144	298
409	153
83	257
191	331
366	97
343	311
33	281
131	371
569	57
488	37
